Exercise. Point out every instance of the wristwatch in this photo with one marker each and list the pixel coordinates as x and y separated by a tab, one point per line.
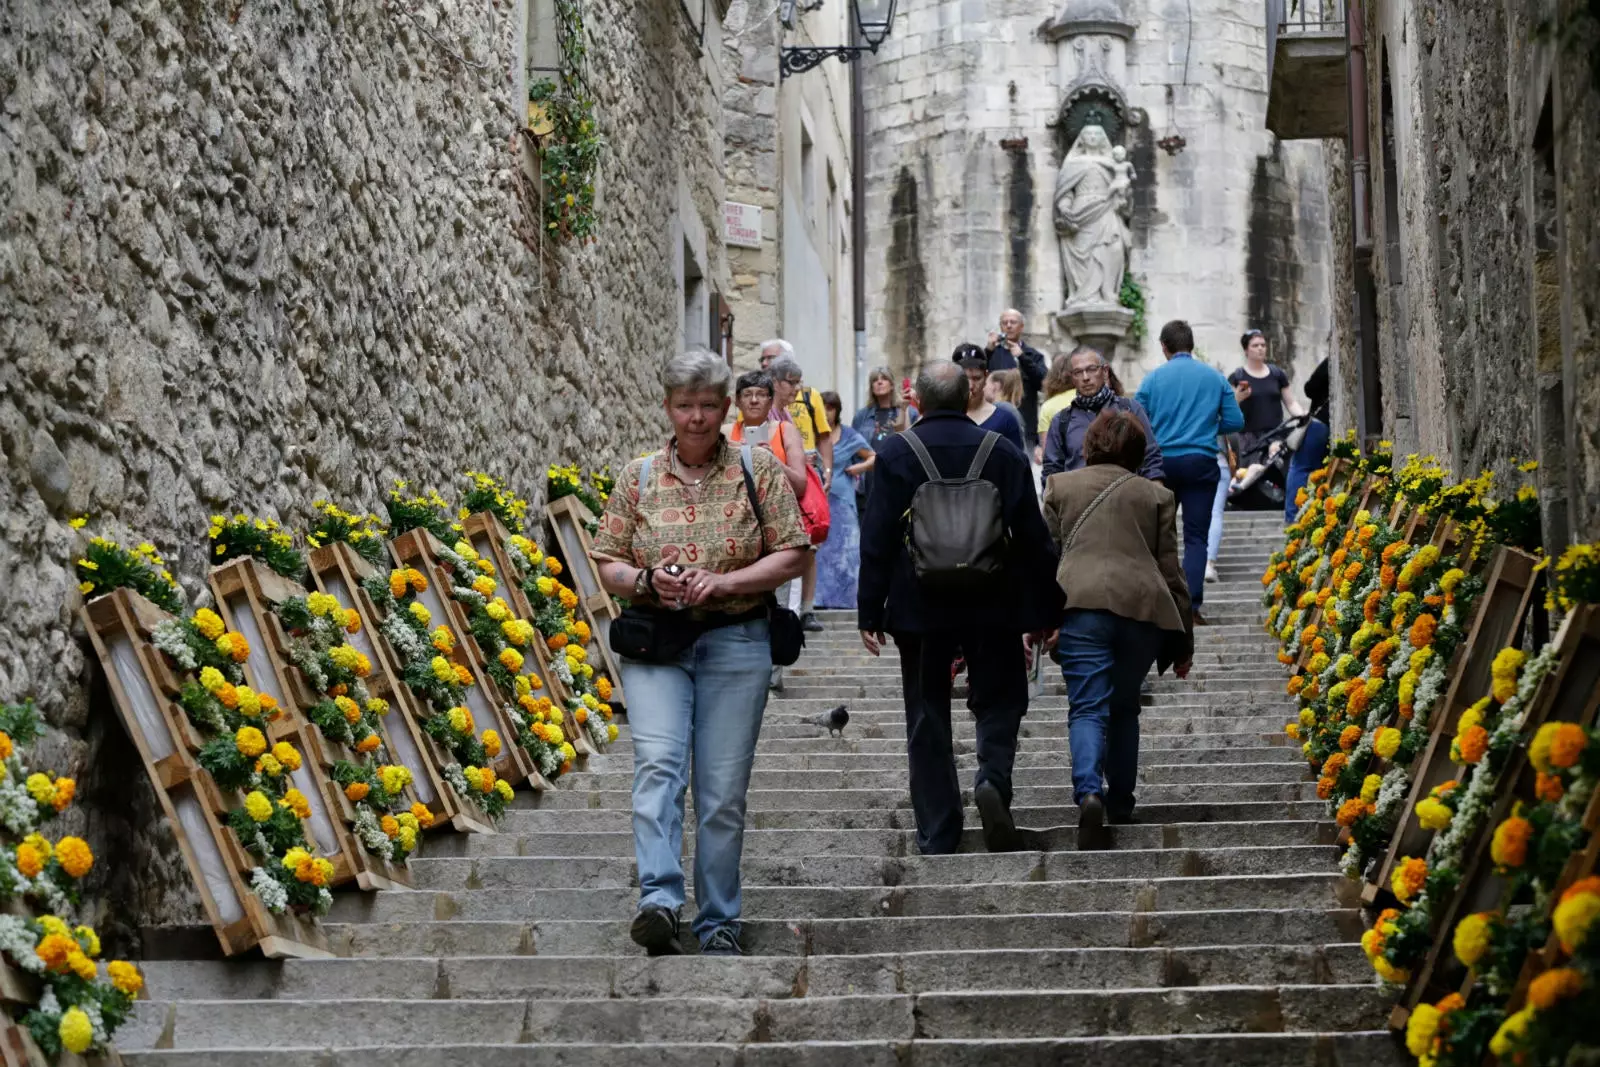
644	583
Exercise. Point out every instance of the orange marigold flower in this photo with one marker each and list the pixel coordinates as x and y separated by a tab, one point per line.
557	642
1337	559
1295	684
1324	788
1369	607
1553	986
1509	847
1422	631
1350	811
1549	787
1334	764
1565	748
1474	743
1348	737
357	791
367	744
1409	878
1387	577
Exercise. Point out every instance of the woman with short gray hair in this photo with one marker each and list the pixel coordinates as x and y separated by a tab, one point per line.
696	536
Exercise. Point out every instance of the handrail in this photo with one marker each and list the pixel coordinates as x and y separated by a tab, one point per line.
1305	17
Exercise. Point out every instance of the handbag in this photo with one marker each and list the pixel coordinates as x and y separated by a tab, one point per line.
815	514
784	631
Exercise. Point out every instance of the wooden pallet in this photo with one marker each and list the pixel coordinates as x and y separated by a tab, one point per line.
1496	619
143	687
1569	693
489	538
569	527
338	571
419	549
18	1049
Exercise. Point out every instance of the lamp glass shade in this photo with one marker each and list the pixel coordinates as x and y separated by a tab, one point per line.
875	18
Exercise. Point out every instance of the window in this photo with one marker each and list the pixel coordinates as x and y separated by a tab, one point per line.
808	174
696	305
833	204
542	44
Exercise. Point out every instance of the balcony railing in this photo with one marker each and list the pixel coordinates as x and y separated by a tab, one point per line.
1305	68
1301	18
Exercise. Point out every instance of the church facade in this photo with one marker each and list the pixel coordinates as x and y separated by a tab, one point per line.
1101	165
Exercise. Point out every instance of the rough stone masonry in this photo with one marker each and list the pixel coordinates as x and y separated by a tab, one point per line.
260	252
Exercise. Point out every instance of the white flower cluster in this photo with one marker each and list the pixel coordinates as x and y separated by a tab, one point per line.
598	732
1402	658
1430	687
470	597
519	561
404	638
457	778
17	941
97	1022
310	663
324	901
456	561
274	897
19	812
1350	862
172	637
559	665
371	834
549	760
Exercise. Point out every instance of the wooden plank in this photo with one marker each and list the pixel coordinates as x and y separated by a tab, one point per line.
1569	693
489	537
1580	865
339	572
246	591
568	520
1496	618
119	624
419	549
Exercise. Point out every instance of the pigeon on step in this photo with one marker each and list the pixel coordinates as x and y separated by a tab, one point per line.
834	721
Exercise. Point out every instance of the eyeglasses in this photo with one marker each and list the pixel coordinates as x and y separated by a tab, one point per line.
1087	372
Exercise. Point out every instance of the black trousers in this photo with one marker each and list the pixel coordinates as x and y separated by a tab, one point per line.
998	696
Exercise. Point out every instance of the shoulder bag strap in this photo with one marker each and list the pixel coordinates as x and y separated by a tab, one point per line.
989	439
1107	491
922	454
748	466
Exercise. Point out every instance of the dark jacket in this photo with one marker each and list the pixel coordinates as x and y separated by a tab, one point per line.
1032	365
890	598
1125	557
1063	449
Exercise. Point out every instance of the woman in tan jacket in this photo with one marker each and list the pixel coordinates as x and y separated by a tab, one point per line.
1127	608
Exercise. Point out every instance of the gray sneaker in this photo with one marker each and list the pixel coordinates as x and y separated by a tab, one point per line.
722	942
775	681
810	623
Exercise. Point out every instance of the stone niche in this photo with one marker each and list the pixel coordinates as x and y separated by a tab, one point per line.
1093	193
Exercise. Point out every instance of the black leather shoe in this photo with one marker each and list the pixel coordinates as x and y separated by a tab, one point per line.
722	943
655	929
999	831
1199	619
810	623
1092	824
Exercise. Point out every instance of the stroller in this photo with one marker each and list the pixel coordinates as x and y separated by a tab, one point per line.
1266	467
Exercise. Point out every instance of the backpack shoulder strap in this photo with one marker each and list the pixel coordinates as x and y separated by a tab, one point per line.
1096	502
748	465
976	470
922	454
644	473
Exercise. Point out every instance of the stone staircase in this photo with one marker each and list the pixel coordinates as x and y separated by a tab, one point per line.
1217	932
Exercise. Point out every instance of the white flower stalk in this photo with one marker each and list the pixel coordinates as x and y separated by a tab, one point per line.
274	897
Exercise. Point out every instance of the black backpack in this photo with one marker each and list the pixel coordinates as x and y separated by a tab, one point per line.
955	527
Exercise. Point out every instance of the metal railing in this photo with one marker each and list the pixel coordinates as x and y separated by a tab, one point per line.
1301	18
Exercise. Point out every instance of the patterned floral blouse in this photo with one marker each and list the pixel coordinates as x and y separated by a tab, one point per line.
709	526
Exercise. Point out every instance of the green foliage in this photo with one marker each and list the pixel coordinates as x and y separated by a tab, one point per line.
364	533
1132	298
221	757
423	512
20	722
106	565
261	539
569	156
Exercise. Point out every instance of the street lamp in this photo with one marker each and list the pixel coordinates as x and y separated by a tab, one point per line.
874	20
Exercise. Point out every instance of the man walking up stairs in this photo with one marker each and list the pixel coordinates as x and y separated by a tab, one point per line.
1216	931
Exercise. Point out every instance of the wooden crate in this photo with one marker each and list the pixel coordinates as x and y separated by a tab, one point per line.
1496	619
18	1049
569	529
419	549
142	688
489	538
1569	693
338	571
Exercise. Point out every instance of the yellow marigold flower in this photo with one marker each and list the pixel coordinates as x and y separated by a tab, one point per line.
125	977
1390	973
250	742
1432	814
496	609
1421	1027
286	754
349	709
1370	786
1511	1033
74	855
352	621
209	623
29	861
234	646
5	745
1577	913
257	806
1386	742
1472	935
443	669
75	1031
511	659
417	580
82	966
296	802
268	765
394	778
491	743
1408	879
568	753
522	686
569	599
40	788
420	612
1507	662
460	720
611	732
444	640
503	788
378	706
483	585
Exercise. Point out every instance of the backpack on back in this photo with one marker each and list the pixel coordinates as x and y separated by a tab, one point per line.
955	527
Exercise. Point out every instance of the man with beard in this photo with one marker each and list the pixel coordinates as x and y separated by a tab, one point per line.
1091	376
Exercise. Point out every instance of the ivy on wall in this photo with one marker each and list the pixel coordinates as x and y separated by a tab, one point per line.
570	143
1132	298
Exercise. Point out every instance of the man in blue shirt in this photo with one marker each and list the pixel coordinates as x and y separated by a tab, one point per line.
1190	404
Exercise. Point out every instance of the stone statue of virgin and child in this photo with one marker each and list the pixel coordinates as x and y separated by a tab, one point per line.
1092	203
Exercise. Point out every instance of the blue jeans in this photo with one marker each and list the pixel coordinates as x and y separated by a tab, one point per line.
1219	504
708	703
1312	454
1103	659
1193	480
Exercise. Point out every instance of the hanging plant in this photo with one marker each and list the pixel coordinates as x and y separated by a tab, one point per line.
1132	298
569	137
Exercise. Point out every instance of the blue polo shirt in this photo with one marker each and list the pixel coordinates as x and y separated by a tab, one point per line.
1190	404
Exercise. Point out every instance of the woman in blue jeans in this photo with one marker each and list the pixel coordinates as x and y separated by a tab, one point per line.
683	540
1127	608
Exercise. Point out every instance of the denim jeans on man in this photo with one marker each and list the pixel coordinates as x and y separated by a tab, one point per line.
1193	480
706	705
1103	659
1313	452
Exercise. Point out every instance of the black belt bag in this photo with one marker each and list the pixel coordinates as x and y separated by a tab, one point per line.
656	635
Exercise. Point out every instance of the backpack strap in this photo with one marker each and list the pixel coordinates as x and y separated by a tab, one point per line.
1066	545
644	473
922	454
982	457
748	466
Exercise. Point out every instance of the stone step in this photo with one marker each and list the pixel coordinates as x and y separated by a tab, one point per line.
1367	1048
564	870
818	741
502	904
1258	786
772	977
1302	822
850	688
833	937
967	1014
1169	764
870	711
1260	722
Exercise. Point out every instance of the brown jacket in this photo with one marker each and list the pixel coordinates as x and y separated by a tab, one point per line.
1125	559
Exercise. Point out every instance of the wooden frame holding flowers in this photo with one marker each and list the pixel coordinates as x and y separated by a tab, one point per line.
246	900
451	638
437	684
340	572
570	523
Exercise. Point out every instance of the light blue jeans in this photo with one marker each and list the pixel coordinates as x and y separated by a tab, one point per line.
706	705
1218	507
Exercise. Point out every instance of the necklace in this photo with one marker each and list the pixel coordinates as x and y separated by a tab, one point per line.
678	467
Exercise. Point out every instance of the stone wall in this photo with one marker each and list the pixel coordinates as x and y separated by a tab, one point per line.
261	252
1230	233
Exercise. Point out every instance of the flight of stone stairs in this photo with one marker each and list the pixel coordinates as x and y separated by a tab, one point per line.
1218	931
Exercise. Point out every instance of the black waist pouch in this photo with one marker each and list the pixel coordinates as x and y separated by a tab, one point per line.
650	635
